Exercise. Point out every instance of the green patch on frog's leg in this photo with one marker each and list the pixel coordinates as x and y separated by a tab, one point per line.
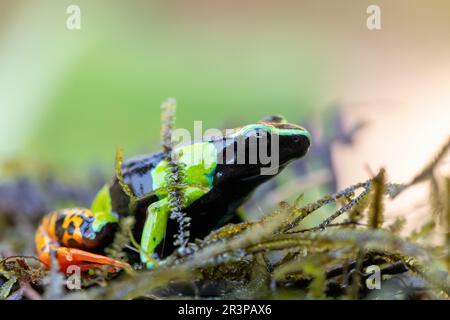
155	226
200	161
154	229
102	201
102	209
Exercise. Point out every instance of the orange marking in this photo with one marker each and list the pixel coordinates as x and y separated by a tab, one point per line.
46	241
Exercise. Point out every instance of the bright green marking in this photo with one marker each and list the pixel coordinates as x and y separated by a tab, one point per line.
200	161
154	227
102	209
156	223
102	201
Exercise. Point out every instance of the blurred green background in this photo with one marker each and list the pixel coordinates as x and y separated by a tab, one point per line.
78	93
68	97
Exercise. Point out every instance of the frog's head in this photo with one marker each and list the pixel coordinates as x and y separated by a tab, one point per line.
278	143
294	140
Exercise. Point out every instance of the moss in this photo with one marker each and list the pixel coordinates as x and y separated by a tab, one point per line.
274	256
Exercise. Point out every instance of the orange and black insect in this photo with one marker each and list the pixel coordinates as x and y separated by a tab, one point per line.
70	234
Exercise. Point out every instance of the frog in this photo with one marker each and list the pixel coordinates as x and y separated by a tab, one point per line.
214	183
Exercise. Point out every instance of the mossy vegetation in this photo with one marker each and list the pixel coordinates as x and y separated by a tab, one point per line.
275	257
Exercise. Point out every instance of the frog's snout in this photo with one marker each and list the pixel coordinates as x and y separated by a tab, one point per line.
306	134
295	145
301	143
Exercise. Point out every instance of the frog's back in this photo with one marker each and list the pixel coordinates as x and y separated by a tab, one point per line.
137	174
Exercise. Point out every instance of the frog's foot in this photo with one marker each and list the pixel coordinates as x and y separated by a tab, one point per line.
86	260
150	265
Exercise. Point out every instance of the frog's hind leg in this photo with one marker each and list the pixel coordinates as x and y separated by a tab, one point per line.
47	242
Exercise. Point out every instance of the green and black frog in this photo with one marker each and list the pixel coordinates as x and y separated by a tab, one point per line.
215	180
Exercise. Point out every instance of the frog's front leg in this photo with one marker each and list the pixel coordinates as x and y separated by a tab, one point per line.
155	226
154	230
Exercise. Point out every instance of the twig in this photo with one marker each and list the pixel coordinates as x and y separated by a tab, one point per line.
345	208
307	210
376	204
